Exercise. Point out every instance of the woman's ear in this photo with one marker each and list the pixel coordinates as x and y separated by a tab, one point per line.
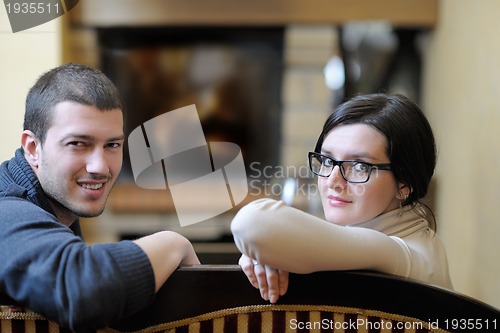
31	146
404	192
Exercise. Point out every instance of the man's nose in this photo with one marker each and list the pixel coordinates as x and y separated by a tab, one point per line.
97	163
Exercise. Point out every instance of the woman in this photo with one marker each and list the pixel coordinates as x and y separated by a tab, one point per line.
374	160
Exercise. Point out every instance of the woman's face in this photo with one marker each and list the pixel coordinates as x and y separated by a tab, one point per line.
349	203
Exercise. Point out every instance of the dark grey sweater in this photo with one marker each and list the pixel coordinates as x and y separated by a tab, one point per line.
48	268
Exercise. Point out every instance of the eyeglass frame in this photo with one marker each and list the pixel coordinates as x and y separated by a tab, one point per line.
371	166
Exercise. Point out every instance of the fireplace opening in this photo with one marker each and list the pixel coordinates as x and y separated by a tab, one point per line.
232	75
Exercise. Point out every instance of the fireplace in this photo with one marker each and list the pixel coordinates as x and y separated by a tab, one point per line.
232	75
260	87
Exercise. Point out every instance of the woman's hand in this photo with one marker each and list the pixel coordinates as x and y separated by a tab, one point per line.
271	282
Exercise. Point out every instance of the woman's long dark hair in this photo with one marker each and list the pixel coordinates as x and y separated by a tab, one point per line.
410	142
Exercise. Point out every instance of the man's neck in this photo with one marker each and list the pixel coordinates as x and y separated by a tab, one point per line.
62	213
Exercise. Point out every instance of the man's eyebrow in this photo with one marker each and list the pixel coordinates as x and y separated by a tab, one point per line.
72	136
118	138
91	138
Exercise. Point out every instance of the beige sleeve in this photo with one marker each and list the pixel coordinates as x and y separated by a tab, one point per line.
292	240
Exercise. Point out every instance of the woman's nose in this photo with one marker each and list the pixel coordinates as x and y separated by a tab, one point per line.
335	178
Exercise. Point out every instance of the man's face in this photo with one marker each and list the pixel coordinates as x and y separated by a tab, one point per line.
80	159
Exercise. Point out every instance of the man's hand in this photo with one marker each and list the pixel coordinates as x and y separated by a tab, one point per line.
271	282
167	251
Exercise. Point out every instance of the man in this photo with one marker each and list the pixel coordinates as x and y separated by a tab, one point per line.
70	157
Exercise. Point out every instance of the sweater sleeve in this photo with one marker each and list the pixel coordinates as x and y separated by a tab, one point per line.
292	240
47	268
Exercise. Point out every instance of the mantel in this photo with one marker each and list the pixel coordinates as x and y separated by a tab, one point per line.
135	13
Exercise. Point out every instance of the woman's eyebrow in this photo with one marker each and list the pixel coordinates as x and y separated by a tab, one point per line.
364	155
326	152
354	156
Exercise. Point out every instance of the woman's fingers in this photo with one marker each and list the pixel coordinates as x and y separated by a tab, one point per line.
283	278
272	283
247	265
260	273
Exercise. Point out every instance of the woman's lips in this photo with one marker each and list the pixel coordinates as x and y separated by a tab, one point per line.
337	201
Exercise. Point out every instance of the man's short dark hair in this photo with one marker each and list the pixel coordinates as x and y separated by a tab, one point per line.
69	82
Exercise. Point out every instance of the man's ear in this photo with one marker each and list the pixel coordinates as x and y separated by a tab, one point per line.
31	146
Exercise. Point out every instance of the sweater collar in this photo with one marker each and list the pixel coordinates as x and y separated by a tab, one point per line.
400	222
18	179
18	172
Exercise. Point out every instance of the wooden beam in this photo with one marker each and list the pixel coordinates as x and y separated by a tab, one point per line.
109	13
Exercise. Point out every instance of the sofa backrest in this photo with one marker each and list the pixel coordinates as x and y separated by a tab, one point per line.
219	298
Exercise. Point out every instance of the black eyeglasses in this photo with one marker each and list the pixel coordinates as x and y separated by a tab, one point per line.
351	171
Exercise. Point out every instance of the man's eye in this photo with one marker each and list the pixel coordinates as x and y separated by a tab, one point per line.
114	145
77	143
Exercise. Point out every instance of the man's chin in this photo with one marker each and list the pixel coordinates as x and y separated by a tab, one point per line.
88	214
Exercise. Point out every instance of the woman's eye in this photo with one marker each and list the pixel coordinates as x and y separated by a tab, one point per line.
361	167
328	162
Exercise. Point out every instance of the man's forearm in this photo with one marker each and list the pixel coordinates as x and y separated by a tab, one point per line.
167	251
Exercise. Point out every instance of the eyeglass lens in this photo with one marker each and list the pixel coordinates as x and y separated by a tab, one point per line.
351	171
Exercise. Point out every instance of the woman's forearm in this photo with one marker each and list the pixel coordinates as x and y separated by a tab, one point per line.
294	241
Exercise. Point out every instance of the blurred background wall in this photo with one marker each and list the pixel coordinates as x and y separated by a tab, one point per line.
459	94
23	57
461	86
